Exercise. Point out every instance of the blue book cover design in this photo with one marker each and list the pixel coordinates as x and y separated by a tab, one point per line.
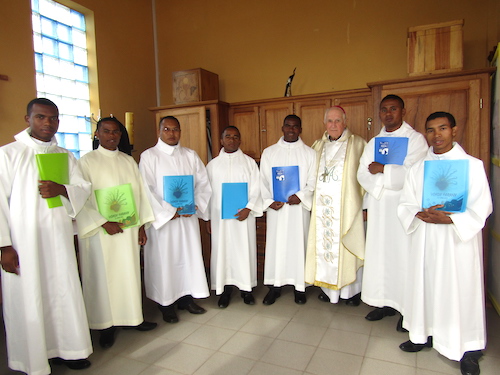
286	182
446	182
234	198
391	150
179	192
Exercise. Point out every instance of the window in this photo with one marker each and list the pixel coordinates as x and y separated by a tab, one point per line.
62	72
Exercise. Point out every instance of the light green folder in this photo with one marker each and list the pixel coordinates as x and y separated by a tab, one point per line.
117	204
53	167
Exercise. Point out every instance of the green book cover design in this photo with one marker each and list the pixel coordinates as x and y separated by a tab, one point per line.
117	204
53	167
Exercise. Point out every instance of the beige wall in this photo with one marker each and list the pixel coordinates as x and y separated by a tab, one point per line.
252	45
335	44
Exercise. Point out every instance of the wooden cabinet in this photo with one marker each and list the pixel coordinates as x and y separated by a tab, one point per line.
260	122
466	95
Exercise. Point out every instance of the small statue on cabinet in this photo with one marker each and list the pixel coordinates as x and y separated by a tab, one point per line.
288	88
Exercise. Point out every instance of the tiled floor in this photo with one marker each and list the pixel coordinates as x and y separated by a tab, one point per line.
285	338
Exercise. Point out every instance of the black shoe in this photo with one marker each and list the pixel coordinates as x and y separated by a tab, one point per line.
224	300
354	300
248	298
379	313
300	298
410	347
144	326
323	297
399	326
73	364
469	365
169	314
193	308
271	296
107	338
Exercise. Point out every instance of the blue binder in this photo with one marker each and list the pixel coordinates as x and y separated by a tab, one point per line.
234	198
286	182
179	192
446	182
391	150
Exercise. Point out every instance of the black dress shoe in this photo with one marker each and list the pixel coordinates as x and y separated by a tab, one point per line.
323	297
399	326
169	314
469	366
354	300
193	308
379	313
271	296
248	298
144	326
107	338
224	300
410	347
73	364
300	298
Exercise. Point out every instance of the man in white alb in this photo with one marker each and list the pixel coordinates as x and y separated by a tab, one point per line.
174	272
288	221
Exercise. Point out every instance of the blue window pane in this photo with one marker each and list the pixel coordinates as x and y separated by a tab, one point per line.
34	5
77	20
63	33
49	46
65	51
38	62
48	27
60	139
81	73
71	141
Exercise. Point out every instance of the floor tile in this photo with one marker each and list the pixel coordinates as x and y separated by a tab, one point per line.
230	319
261	368
185	358
345	342
376	367
225	364
209	337
247	345
302	333
388	350
328	362
264	326
156	370
288	354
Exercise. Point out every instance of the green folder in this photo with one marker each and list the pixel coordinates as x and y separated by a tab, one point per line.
53	167
117	204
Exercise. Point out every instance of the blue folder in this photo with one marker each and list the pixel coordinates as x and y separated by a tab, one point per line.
391	150
446	182
286	182
179	192
234	198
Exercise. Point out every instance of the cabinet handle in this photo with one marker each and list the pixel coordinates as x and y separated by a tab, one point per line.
263	130
369	123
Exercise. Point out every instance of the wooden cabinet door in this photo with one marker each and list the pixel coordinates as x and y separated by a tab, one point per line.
359	117
193	128
246	119
312	113
271	122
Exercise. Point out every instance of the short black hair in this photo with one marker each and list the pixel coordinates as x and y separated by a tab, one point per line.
42	101
393	97
436	115
124	144
230	127
169	118
295	117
